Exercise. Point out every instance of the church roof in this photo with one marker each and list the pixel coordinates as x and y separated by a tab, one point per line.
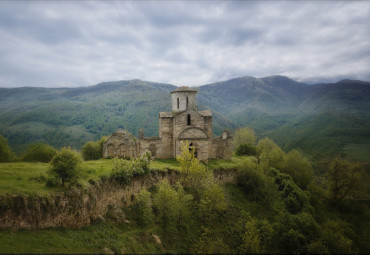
206	113
165	115
184	89
124	134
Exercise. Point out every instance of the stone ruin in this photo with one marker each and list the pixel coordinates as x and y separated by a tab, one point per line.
184	124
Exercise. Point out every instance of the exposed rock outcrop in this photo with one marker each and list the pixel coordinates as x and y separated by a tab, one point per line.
78	208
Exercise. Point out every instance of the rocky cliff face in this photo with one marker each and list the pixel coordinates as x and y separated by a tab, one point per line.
78	208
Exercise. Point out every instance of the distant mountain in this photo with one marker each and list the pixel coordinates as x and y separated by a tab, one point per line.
332	116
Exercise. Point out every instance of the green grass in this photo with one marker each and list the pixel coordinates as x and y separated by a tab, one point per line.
163	164
15	178
21	177
227	164
119	238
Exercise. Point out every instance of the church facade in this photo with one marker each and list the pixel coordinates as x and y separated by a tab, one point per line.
185	124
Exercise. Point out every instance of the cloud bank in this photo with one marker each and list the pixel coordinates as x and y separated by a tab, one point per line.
64	43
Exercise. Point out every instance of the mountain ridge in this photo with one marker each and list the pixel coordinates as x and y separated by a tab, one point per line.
72	116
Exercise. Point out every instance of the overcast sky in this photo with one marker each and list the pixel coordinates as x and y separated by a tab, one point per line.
79	43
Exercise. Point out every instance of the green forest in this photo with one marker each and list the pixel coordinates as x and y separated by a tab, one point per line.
277	204
321	121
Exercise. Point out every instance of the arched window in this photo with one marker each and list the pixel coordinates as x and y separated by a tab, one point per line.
189	120
178	103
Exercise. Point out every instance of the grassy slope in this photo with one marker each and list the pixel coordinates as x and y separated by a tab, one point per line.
120	238
21	177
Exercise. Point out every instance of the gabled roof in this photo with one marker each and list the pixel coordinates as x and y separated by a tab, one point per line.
206	113
165	115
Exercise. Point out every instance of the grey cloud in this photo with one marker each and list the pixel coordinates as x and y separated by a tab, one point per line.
47	43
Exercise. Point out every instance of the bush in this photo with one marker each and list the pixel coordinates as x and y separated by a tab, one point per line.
244	136
93	150
39	153
269	150
254	182
293	197
6	155
65	166
245	149
298	167
123	170
143	208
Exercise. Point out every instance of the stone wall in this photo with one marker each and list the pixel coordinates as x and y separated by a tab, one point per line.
192	101
221	148
201	147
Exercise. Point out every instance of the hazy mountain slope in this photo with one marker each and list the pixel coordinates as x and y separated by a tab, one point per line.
296	115
74	116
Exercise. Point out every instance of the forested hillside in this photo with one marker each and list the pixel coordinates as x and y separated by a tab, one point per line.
320	120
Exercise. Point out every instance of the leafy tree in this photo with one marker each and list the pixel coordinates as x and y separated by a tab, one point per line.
167	203
252	180
39	153
342	177
91	151
206	243
245	149
251	238
256	234
245	136
6	154
65	165
143	208
212	202
195	174
269	150
334	239
185	205
298	167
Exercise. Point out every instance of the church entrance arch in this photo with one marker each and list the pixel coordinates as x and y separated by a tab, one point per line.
193	147
153	149
111	151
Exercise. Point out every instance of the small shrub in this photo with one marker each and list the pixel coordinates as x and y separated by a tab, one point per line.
40	178
245	149
65	166
6	155
91	151
51	181
143	208
123	170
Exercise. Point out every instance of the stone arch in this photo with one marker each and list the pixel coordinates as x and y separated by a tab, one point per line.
193	132
195	147
122	150
111	150
153	149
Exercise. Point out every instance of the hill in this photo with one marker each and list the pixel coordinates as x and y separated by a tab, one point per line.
317	119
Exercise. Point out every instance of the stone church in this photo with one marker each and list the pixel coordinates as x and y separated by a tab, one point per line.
184	124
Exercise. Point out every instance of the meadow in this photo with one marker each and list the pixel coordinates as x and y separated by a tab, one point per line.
29	177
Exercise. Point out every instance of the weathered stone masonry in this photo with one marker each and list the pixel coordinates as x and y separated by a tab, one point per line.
184	124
